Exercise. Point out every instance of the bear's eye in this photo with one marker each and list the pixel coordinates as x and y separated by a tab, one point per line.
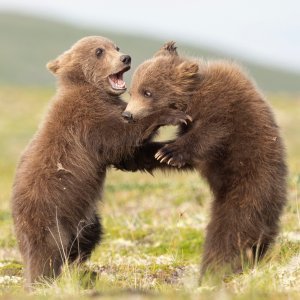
118	49
99	52
147	94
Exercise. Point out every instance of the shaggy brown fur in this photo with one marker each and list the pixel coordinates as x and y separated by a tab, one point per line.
62	171
234	142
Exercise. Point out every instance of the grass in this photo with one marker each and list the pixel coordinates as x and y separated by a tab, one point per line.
154	226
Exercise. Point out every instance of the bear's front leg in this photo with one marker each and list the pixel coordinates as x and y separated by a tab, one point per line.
142	159
194	145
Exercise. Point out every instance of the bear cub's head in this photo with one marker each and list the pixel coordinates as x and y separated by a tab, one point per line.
165	81
94	60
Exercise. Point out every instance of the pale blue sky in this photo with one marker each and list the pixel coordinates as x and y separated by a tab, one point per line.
267	31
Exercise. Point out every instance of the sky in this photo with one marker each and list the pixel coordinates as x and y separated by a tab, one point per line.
266	31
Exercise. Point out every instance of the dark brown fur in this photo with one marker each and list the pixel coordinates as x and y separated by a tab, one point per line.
62	171
233	142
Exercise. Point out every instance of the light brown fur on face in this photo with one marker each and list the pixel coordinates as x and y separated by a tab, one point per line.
169	79
82	64
233	142
61	173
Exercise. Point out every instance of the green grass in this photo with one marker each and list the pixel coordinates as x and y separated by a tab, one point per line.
154	226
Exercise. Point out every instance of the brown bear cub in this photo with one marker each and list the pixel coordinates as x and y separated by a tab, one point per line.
62	171
233	142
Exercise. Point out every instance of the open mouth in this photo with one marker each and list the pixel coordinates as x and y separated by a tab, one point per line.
116	80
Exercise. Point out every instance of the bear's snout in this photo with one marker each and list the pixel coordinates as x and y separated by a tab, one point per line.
127	115
126	59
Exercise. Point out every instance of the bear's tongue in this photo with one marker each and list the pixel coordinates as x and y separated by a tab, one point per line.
117	82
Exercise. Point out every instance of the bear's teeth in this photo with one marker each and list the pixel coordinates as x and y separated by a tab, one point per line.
117	82
122	85
120	82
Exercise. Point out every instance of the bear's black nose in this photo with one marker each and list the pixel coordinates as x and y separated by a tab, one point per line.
126	59
127	115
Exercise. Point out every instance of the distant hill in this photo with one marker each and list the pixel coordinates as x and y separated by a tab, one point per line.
27	43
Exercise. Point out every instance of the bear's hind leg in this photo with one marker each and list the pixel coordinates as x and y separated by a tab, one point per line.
237	236
88	235
42	263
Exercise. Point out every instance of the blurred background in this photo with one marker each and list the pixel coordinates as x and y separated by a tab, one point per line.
262	35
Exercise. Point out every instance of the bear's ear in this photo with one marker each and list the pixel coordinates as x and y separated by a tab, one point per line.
168	48
186	75
53	66
187	69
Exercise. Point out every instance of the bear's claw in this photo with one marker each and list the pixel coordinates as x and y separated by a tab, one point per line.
172	155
